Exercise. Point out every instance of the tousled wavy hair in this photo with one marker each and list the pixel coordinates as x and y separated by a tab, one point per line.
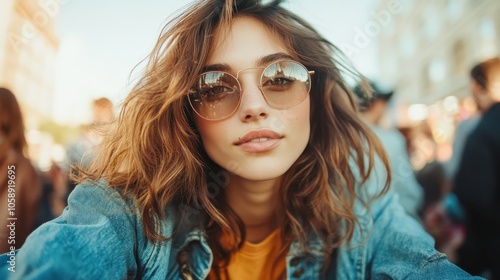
155	155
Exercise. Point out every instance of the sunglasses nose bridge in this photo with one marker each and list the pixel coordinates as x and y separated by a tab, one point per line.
245	70
251	80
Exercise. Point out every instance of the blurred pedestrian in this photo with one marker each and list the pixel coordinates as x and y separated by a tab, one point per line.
477	182
464	127
373	107
20	188
421	145
79	153
447	232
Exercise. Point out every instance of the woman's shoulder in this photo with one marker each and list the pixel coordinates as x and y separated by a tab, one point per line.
109	198
100	231
98	202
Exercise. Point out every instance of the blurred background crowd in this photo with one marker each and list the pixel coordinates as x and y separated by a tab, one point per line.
420	57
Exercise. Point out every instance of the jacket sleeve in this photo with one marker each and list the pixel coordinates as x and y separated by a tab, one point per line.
399	247
392	244
94	238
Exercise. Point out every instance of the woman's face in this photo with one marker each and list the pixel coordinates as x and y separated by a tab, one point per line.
257	142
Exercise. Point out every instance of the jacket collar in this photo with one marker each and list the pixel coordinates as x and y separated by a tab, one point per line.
190	249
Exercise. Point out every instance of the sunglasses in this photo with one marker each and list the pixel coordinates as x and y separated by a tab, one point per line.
216	94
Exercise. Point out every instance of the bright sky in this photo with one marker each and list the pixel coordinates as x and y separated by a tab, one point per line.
102	41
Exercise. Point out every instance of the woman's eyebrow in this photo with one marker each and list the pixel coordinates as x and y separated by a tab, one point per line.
263	61
216	67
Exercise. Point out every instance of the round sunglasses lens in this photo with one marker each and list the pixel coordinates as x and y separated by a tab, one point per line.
215	95
285	83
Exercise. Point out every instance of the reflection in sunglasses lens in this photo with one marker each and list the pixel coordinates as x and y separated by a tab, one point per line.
216	94
285	84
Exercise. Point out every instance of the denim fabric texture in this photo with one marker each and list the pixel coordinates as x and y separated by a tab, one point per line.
100	236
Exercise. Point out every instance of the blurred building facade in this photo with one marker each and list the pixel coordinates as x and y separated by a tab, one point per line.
427	49
28	48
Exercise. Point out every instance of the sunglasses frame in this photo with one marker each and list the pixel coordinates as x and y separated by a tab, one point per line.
236	78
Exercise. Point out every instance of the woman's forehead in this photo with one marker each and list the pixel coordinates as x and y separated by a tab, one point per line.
244	42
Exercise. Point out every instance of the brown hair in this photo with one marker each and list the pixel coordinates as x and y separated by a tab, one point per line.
156	156
487	73
11	124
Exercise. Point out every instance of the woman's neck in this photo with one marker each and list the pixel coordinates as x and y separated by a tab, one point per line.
256	203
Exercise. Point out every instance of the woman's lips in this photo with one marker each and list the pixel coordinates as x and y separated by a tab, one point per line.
259	141
261	145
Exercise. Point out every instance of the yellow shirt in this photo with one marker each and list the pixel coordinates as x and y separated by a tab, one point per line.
264	260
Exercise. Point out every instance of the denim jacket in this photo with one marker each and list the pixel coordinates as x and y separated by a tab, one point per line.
99	236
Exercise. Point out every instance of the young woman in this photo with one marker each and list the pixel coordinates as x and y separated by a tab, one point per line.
238	155
20	187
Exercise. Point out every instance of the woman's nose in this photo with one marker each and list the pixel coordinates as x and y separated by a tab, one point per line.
253	103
